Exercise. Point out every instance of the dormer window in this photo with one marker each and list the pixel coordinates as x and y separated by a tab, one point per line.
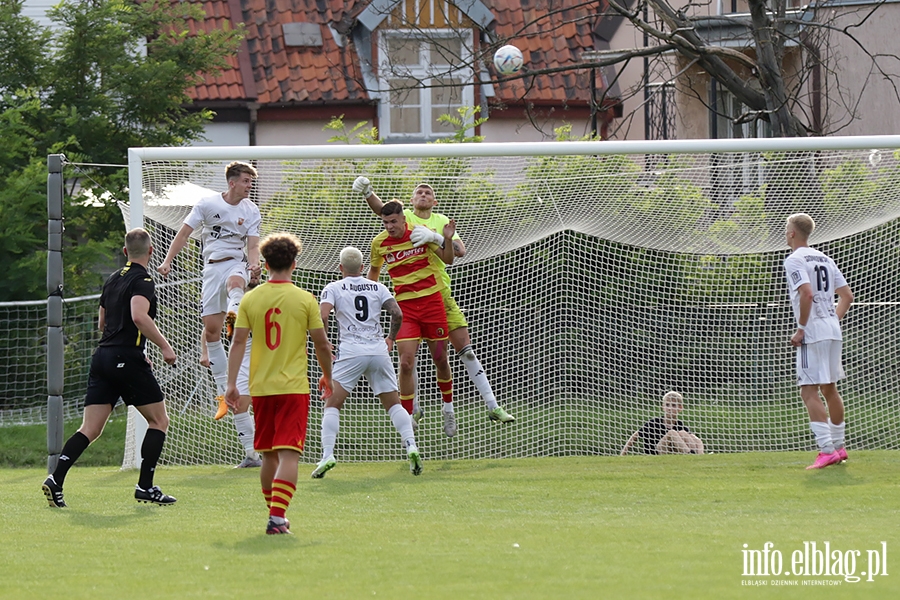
423	76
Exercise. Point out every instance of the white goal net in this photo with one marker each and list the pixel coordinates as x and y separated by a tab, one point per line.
599	275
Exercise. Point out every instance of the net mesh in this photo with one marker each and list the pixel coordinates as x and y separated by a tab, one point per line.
23	358
592	285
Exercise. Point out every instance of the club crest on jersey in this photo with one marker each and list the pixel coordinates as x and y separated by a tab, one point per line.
795	276
241	221
393	257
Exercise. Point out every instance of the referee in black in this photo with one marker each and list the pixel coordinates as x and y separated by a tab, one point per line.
119	368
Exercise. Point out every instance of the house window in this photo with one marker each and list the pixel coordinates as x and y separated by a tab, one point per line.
425	75
660	111
735	120
735	174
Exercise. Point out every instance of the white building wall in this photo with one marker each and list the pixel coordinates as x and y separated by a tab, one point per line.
37	10
292	133
514	130
225	134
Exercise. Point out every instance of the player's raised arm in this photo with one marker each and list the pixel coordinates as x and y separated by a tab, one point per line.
181	239
363	186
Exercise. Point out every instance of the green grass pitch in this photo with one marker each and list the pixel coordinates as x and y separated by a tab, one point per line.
564	527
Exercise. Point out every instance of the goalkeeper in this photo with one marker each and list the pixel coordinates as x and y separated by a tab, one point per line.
427	227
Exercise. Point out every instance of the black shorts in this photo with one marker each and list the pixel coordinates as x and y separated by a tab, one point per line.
121	372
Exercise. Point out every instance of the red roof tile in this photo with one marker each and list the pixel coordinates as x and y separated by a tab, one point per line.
279	74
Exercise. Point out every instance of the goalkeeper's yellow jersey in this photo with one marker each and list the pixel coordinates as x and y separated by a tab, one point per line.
279	314
435	223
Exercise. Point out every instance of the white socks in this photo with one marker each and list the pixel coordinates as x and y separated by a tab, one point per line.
218	364
235	295
331	422
823	436
476	374
402	422
243	422
837	434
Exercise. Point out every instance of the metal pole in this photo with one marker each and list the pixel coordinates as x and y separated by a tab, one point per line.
55	361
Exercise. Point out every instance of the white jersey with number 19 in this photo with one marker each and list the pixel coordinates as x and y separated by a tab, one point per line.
357	305
807	265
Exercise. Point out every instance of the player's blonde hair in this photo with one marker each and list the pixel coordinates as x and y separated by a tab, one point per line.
236	168
351	260
137	243
673	397
423	185
803	224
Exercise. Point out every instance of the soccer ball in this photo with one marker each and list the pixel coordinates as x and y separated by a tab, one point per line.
508	60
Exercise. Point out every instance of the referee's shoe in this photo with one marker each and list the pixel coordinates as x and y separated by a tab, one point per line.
153	496
54	493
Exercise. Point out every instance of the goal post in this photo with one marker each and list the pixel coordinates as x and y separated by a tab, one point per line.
598	276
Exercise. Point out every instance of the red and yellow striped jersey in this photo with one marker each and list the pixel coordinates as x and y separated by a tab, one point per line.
415	272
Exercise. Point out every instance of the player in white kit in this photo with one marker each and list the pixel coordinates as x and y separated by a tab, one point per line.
243	420
362	350
229	225
813	280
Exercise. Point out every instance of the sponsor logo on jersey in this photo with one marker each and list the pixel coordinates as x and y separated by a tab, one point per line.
393	257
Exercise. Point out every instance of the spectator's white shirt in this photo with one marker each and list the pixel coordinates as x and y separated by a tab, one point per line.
807	265
357	305
223	227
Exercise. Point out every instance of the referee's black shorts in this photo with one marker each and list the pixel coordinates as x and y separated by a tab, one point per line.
118	371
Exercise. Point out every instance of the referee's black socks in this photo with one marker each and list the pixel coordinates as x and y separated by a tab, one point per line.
150	451
72	449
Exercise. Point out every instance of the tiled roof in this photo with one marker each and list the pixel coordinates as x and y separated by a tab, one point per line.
549	36
268	72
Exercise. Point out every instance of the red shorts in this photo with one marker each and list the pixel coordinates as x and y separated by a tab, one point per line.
423	318
280	421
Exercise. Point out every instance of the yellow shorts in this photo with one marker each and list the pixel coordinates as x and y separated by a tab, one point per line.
455	318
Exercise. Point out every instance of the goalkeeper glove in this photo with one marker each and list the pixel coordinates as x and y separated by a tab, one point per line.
363	186
421	235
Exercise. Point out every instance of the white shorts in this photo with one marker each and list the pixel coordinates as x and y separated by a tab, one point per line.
243	377
215	276
819	363
378	369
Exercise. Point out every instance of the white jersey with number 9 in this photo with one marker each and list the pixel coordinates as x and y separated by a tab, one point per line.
357	305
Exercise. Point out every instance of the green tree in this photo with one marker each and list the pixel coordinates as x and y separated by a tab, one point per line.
112	75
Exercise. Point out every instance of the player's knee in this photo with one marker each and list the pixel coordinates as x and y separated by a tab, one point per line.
156	416
91	433
407	363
